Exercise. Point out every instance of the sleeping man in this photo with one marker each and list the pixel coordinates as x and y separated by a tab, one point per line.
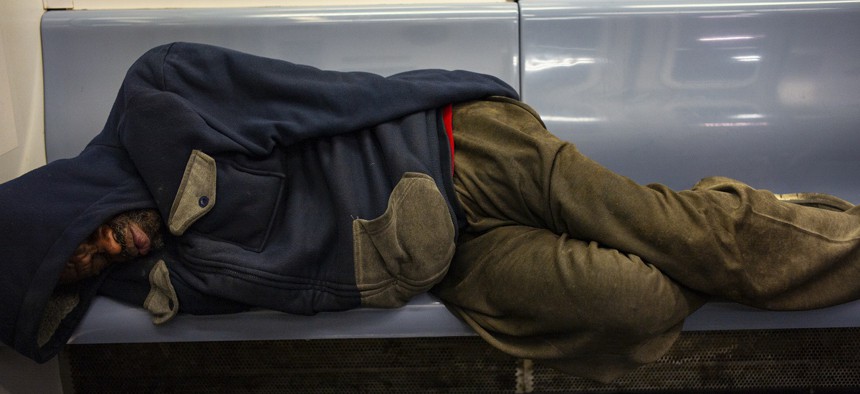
227	181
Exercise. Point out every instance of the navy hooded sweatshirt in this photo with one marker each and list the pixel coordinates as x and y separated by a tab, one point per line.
282	186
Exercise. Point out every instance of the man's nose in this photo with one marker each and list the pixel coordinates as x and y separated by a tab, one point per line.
106	241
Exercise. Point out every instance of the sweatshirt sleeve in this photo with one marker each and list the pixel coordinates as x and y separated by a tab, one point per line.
261	102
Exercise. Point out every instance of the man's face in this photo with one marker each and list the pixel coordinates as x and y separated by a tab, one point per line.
126	236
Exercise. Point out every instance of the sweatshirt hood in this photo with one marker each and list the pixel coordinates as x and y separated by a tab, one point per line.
48	213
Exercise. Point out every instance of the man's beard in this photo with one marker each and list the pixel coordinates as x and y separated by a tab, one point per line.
147	219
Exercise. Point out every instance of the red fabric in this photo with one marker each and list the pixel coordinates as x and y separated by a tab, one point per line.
448	119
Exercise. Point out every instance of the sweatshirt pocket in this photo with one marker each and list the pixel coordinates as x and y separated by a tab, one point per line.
226	202
408	249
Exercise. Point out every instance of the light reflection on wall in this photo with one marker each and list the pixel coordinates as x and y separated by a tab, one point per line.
572	119
535	64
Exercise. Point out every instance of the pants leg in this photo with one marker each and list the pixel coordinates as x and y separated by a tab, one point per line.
587	310
726	240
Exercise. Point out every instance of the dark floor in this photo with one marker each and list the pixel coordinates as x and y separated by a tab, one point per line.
778	361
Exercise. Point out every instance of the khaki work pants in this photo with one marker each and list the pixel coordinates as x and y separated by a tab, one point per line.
567	262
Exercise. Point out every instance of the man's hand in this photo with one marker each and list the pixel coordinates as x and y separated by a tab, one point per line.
86	261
